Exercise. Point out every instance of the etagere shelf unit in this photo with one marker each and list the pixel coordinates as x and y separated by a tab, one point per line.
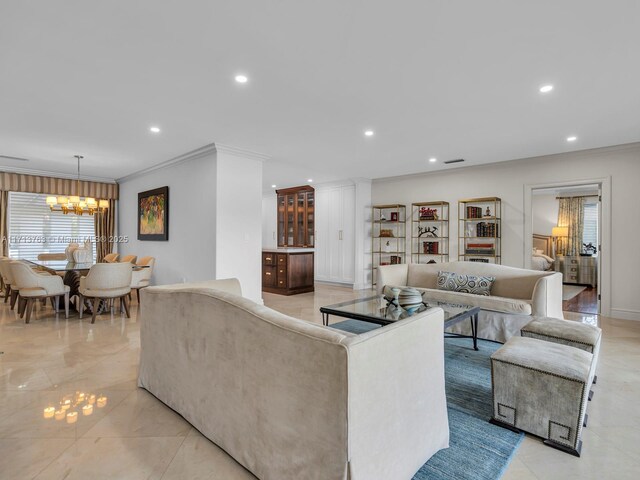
480	230
388	236
430	232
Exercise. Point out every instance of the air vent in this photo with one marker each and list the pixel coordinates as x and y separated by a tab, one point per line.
7	157
458	160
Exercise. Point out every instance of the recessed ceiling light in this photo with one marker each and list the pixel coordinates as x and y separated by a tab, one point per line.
433	160
546	88
273	186
572	138
309	180
368	133
241	79
154	129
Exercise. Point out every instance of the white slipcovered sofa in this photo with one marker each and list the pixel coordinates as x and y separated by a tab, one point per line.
293	400
517	294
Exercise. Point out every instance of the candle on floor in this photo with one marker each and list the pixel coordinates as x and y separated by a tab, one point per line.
60	414
49	412
87	410
72	417
101	401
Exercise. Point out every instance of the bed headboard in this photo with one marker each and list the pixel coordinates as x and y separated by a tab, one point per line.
544	243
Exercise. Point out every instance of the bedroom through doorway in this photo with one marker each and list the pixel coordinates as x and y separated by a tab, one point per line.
566	238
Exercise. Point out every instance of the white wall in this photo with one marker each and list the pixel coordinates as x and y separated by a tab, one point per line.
545	213
507	180
215	211
270	220
239	221
189	254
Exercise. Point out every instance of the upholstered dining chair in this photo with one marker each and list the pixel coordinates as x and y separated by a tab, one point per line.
7	278
111	257
33	286
129	259
106	281
141	277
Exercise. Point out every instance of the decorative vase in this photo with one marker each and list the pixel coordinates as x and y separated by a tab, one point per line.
69	251
410	299
387	247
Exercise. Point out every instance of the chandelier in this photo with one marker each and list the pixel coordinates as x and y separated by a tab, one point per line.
75	204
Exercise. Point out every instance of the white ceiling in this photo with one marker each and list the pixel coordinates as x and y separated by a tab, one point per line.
432	78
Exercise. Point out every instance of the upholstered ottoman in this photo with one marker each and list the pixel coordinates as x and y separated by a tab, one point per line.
541	387
565	332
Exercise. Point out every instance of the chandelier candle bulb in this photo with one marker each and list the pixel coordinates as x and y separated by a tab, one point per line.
92	399
66	405
60	414
101	402
49	412
87	410
72	417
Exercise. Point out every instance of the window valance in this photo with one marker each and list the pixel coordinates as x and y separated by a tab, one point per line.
17	182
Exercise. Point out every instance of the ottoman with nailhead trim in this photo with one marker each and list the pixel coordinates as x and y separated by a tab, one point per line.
566	332
541	388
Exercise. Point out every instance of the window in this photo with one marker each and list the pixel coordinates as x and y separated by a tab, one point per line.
590	222
34	228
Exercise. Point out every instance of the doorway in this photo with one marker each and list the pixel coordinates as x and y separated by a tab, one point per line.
566	236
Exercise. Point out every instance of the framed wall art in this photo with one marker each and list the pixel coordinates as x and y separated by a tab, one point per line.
153	214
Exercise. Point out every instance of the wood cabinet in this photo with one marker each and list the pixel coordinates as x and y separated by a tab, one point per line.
287	272
335	246
296	217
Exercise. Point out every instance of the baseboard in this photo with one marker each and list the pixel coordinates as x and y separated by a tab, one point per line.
625	314
334	284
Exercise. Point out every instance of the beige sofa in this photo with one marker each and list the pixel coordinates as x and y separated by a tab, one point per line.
517	294
293	400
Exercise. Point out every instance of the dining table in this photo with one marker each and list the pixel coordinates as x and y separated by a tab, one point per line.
71	273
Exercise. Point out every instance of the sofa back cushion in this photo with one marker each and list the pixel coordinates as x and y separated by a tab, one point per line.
465	283
509	282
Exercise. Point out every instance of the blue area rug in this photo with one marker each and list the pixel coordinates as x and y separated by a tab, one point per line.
477	449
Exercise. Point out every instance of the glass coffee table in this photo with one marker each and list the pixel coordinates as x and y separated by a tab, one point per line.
378	310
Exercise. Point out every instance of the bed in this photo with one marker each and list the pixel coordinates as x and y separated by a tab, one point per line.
541	256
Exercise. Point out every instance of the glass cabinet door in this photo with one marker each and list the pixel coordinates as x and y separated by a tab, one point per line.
310	212
281	221
290	220
300	218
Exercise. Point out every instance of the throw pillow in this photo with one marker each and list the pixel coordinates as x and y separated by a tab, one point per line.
457	282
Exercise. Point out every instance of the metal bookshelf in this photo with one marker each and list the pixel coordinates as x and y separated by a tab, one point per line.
480	230
430	232
388	236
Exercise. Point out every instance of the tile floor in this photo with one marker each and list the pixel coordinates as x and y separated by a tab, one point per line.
134	436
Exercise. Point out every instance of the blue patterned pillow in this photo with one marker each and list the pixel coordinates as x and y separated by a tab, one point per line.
457	282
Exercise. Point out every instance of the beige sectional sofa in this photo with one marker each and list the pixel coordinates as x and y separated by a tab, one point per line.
293	400
517	294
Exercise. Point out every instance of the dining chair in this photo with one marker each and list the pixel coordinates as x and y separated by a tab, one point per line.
141	277
106	281
7	278
111	257
129	259
33	286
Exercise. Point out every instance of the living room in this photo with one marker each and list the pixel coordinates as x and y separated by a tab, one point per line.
164	146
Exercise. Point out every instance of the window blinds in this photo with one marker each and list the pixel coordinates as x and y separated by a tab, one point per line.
34	228
590	222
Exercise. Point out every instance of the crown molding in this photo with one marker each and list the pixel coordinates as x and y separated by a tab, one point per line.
48	173
194	155
241	152
185	157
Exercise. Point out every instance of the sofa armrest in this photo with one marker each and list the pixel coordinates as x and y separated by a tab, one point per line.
547	297
396	394
391	275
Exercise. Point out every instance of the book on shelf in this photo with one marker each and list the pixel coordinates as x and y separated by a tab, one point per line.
396	259
431	248
487	229
474	212
480	251
481	260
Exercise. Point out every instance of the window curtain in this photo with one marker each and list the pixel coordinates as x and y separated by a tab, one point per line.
105	228
571	214
4	206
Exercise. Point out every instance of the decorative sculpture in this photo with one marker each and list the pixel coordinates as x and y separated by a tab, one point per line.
428	231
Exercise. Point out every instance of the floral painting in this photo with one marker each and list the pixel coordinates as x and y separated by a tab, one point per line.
153	214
